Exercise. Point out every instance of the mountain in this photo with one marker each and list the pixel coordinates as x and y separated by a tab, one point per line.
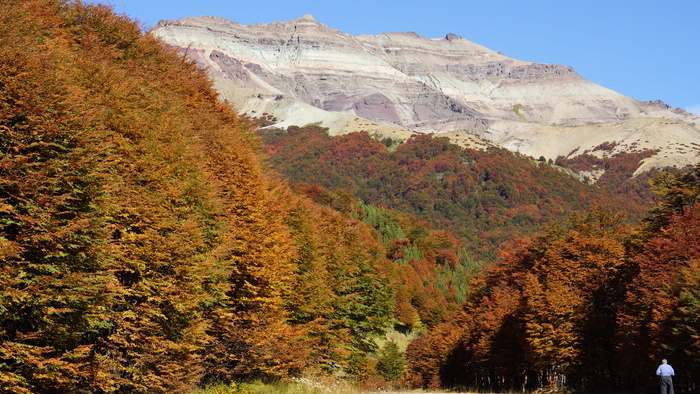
395	84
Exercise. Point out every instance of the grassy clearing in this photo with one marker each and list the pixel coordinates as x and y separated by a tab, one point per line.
298	386
313	385
401	338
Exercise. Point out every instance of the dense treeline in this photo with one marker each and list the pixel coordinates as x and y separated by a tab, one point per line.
617	171
485	198
431	269
142	247
593	305
428	269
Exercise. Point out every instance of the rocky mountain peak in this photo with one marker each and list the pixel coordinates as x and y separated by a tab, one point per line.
301	71
307	18
662	105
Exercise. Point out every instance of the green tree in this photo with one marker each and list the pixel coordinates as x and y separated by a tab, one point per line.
674	193
391	363
686	325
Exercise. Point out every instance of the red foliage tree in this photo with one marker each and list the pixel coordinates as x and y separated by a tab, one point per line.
661	295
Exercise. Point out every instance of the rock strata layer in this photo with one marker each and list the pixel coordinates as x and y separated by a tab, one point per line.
301	71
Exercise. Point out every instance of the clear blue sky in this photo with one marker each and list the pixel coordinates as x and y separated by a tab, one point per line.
641	48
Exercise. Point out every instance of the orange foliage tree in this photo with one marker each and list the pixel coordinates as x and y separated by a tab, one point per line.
141	247
658	317
139	169
340	292
572	294
593	305
539	316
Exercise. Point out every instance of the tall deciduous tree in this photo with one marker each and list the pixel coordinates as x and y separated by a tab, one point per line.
544	315
138	236
572	294
341	292
391	363
660	299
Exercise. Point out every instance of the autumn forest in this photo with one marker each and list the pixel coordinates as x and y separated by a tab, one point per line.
154	240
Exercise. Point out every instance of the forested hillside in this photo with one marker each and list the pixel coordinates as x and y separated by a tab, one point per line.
487	198
593	305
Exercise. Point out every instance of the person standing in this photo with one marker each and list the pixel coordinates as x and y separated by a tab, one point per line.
666	372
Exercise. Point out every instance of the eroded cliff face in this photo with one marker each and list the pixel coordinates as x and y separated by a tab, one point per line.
302	71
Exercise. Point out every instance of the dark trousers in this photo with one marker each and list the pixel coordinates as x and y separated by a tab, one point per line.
666	385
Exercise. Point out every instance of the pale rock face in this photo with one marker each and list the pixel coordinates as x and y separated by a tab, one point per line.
396	84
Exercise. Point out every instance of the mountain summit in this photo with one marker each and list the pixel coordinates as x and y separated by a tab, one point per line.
301	71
